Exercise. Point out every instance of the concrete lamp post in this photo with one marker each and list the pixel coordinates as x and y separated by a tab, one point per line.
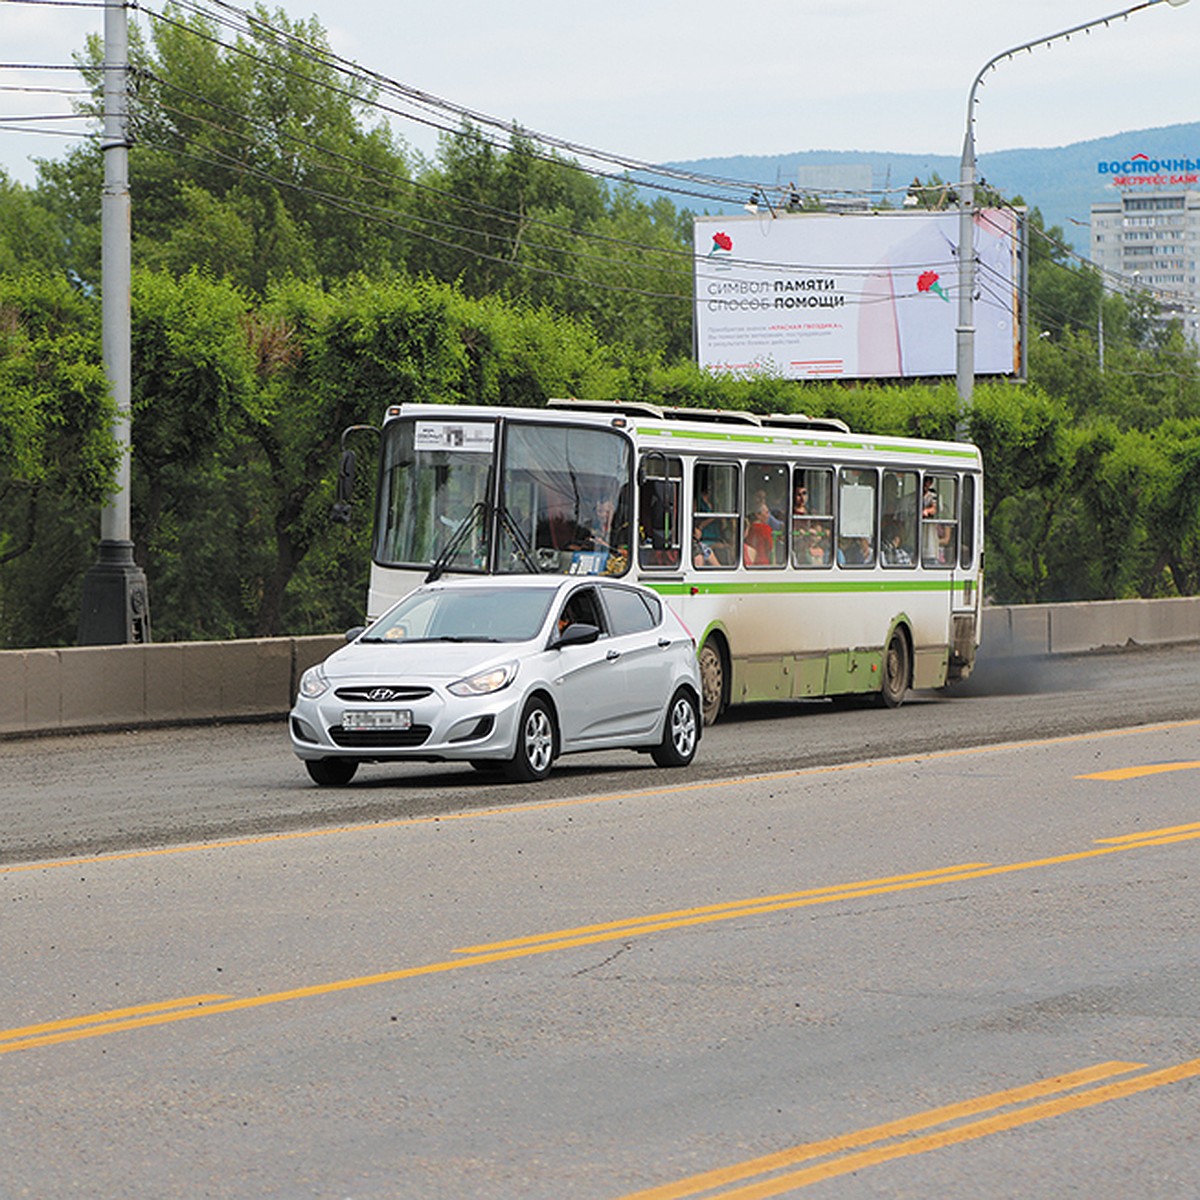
965	357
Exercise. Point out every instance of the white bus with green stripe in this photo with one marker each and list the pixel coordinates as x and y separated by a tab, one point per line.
806	559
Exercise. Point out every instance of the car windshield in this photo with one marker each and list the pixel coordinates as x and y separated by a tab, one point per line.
464	615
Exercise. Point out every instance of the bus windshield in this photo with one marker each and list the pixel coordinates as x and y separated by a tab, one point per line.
563	499
434	474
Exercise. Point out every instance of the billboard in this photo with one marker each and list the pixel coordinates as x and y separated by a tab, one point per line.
854	295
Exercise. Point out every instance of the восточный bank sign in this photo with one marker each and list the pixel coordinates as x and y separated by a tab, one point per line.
1142	170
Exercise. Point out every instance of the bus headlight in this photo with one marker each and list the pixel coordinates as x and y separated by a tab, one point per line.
486	682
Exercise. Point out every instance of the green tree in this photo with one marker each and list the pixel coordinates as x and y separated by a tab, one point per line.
57	454
31	239
251	160
193	384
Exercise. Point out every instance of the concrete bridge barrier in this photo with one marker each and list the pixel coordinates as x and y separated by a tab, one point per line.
1043	629
80	688
167	683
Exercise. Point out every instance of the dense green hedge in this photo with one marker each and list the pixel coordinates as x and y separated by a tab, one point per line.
238	409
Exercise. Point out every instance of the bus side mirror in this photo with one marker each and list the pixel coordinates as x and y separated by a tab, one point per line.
340	513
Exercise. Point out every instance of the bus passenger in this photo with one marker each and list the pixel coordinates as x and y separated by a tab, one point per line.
703	554
762	508
711	543
855	551
929	499
759	547
895	553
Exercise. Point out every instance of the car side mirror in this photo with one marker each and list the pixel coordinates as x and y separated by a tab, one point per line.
355	633
579	634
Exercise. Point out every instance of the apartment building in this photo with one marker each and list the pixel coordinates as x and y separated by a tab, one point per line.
1149	240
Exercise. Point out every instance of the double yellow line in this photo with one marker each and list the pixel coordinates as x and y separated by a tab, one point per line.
778	1173
191	1007
116	1020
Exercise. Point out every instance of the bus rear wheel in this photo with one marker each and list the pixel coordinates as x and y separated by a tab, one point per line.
895	671
712	680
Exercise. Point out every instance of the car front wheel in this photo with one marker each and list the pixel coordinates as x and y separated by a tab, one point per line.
681	733
534	755
331	772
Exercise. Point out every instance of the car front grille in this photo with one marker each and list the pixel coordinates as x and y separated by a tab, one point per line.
380	739
383	693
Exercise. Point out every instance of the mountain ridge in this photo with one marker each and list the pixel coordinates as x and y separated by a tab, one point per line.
1063	182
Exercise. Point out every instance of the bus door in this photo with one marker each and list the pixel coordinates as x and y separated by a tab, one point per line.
966	598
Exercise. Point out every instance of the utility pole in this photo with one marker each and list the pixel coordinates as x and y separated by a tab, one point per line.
965	332
116	603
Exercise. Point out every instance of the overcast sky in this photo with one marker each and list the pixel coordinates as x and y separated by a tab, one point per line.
665	82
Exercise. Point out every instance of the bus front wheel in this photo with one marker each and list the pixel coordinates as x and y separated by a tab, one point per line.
712	680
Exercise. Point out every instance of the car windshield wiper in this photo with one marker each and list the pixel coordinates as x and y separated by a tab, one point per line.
410	641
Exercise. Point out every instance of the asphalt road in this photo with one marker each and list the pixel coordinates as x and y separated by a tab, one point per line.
102	792
964	971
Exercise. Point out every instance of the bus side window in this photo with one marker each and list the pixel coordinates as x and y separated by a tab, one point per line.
812	517
898	524
966	535
715	515
765	507
659	543
939	521
857	488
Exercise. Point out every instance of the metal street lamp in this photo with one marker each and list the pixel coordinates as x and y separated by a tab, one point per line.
115	606
965	359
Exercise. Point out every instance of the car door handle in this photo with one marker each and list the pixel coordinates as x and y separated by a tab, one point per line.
613	655
663	643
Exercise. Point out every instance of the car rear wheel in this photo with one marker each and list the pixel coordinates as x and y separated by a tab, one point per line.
331	772
681	732
534	755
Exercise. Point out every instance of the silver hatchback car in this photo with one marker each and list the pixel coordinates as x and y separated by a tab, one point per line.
504	673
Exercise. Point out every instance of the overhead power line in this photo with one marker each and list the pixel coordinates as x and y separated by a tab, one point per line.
438	112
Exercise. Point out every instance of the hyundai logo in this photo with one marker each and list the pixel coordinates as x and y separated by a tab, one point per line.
383	693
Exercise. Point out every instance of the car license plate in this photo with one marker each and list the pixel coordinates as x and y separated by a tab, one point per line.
377	718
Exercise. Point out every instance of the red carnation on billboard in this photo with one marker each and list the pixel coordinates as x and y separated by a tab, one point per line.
928	282
721	241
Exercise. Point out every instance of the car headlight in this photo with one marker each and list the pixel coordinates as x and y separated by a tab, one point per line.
485	682
313	683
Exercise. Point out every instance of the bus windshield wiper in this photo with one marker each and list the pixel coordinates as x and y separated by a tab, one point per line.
439	564
520	541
